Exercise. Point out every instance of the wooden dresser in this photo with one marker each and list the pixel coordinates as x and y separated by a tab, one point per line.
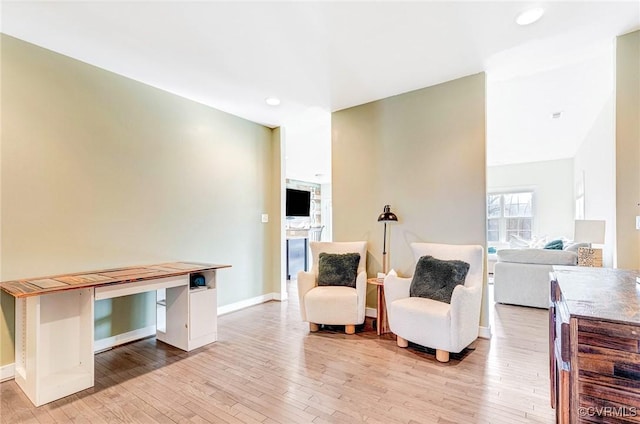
594	345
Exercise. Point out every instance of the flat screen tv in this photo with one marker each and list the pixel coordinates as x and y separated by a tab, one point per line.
298	202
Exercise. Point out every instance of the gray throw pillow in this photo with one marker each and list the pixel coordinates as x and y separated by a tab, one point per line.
435	278
338	269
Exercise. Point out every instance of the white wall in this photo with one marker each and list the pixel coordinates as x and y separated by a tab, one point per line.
327	212
594	166
552	183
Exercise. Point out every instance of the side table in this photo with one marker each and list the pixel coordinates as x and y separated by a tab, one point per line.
382	326
589	257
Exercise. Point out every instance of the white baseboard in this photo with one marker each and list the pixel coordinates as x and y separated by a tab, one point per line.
103	344
7	372
484	332
371	313
279	297
118	339
232	307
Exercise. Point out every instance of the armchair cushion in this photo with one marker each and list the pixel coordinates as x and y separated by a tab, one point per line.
338	269
334	305
435	279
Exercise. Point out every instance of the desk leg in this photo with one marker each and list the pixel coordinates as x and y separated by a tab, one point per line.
54	344
190	315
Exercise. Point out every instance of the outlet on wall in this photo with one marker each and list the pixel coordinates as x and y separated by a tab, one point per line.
265	217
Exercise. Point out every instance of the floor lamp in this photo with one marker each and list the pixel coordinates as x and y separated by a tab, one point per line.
386	216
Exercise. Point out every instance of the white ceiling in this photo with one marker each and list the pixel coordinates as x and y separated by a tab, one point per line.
322	56
520	126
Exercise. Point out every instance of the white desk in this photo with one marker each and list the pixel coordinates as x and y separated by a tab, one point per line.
54	355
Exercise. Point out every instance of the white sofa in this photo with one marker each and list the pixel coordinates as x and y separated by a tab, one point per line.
521	276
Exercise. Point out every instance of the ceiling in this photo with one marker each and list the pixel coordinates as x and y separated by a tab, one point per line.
322	56
521	126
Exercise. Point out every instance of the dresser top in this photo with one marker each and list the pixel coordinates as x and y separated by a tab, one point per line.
602	293
44	285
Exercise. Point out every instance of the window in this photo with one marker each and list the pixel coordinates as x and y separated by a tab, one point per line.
509	214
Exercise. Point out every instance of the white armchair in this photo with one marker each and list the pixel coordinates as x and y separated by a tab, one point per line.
333	305
430	323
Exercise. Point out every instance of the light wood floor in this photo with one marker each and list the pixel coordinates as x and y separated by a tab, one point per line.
267	368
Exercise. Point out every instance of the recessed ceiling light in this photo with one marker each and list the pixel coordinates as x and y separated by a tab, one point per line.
272	101
530	16
556	115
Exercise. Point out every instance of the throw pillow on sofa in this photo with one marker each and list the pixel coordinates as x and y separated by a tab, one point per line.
573	247
554	245
538	242
435	278
338	269
516	242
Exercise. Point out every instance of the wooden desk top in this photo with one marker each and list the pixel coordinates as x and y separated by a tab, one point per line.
602	293
45	285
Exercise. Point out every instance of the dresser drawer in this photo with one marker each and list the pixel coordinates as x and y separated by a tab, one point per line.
601	404
609	370
612	329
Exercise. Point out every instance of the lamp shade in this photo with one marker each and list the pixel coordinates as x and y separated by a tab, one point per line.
589	231
387	215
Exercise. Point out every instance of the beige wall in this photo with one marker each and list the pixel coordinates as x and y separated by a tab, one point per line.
628	149
276	246
102	171
423	153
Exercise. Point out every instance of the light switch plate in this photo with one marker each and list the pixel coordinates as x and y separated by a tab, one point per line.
637	222
265	217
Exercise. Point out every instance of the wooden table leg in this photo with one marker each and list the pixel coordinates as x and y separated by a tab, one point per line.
379	311
382	326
